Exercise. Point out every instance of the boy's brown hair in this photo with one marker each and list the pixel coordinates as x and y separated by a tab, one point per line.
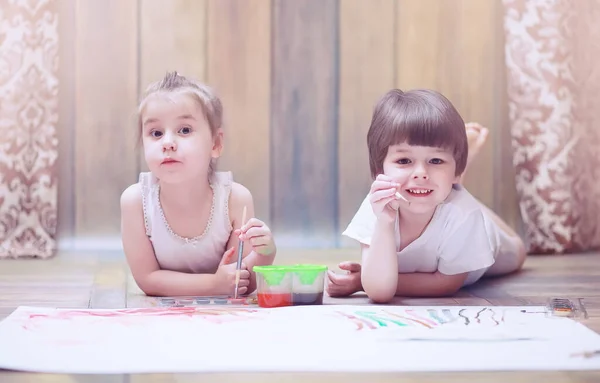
418	117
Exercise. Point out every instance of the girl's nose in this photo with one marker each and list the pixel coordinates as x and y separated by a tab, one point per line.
169	143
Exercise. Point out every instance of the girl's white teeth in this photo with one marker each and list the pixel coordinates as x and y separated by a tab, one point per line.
419	191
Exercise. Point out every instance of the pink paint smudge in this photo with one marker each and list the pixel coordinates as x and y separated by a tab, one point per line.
218	316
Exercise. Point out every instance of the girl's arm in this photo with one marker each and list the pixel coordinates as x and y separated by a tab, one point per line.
241	197
141	259
379	276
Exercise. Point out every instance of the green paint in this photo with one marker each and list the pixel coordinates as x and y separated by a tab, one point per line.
381	321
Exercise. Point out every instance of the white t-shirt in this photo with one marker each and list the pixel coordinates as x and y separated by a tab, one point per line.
459	238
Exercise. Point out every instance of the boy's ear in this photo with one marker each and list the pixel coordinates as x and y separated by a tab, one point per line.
217	144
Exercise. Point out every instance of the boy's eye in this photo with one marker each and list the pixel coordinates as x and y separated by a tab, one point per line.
437	161
155	133
403	161
185	130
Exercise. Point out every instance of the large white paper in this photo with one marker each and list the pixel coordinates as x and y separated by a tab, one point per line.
307	338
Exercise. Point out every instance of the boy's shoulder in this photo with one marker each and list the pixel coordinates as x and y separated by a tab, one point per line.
460	208
460	202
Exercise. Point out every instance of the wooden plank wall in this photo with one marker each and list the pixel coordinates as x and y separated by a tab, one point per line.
298	79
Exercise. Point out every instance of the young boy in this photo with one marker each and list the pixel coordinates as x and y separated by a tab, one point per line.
421	232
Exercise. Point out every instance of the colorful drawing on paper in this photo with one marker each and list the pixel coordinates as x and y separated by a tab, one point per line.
127	317
424	318
339	338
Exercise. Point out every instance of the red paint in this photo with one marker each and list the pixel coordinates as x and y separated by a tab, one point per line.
224	315
359	322
170	311
274	300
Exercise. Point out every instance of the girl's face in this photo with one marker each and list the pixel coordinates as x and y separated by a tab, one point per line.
178	144
425	174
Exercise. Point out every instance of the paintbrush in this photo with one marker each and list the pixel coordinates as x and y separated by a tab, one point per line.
398	195
239	258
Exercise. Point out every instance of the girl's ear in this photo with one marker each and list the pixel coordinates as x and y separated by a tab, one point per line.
217	144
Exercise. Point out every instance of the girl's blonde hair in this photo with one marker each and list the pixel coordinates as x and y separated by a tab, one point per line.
202	94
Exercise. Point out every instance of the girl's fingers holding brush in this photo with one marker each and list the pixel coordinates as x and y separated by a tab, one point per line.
252	222
244	274
227	256
260	241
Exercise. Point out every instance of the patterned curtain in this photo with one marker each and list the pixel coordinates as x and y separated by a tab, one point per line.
552	56
28	122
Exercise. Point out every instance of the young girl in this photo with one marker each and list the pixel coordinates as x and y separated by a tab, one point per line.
182	221
421	232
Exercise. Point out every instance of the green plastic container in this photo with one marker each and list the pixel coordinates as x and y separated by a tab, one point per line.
273	286
308	283
294	285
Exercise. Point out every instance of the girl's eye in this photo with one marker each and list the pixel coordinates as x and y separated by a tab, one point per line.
155	133
403	161
437	161
185	130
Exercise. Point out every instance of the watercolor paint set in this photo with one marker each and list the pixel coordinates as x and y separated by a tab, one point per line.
203	301
279	286
564	307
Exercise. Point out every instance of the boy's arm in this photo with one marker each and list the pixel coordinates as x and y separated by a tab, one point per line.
380	278
379	275
141	259
240	197
429	284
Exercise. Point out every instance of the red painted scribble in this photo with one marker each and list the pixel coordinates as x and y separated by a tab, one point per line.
359	322
217	316
146	311
421	319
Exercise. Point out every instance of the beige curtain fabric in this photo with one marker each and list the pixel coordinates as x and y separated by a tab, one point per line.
28	119
552	56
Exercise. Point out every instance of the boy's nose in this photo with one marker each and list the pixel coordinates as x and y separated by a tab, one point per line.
420	173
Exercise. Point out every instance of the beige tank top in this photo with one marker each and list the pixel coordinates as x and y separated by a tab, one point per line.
201	254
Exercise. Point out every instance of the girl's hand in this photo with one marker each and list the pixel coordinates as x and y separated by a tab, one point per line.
225	275
383	198
342	285
258	235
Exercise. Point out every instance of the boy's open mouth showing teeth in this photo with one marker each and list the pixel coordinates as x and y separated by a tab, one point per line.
421	192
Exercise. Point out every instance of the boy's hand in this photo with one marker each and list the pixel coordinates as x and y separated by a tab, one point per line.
259	235
342	285
383	198
225	275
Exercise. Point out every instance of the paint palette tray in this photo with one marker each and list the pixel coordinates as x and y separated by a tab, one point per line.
203	301
563	307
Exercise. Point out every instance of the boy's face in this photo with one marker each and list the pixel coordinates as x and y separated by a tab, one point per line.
178	144
425	174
